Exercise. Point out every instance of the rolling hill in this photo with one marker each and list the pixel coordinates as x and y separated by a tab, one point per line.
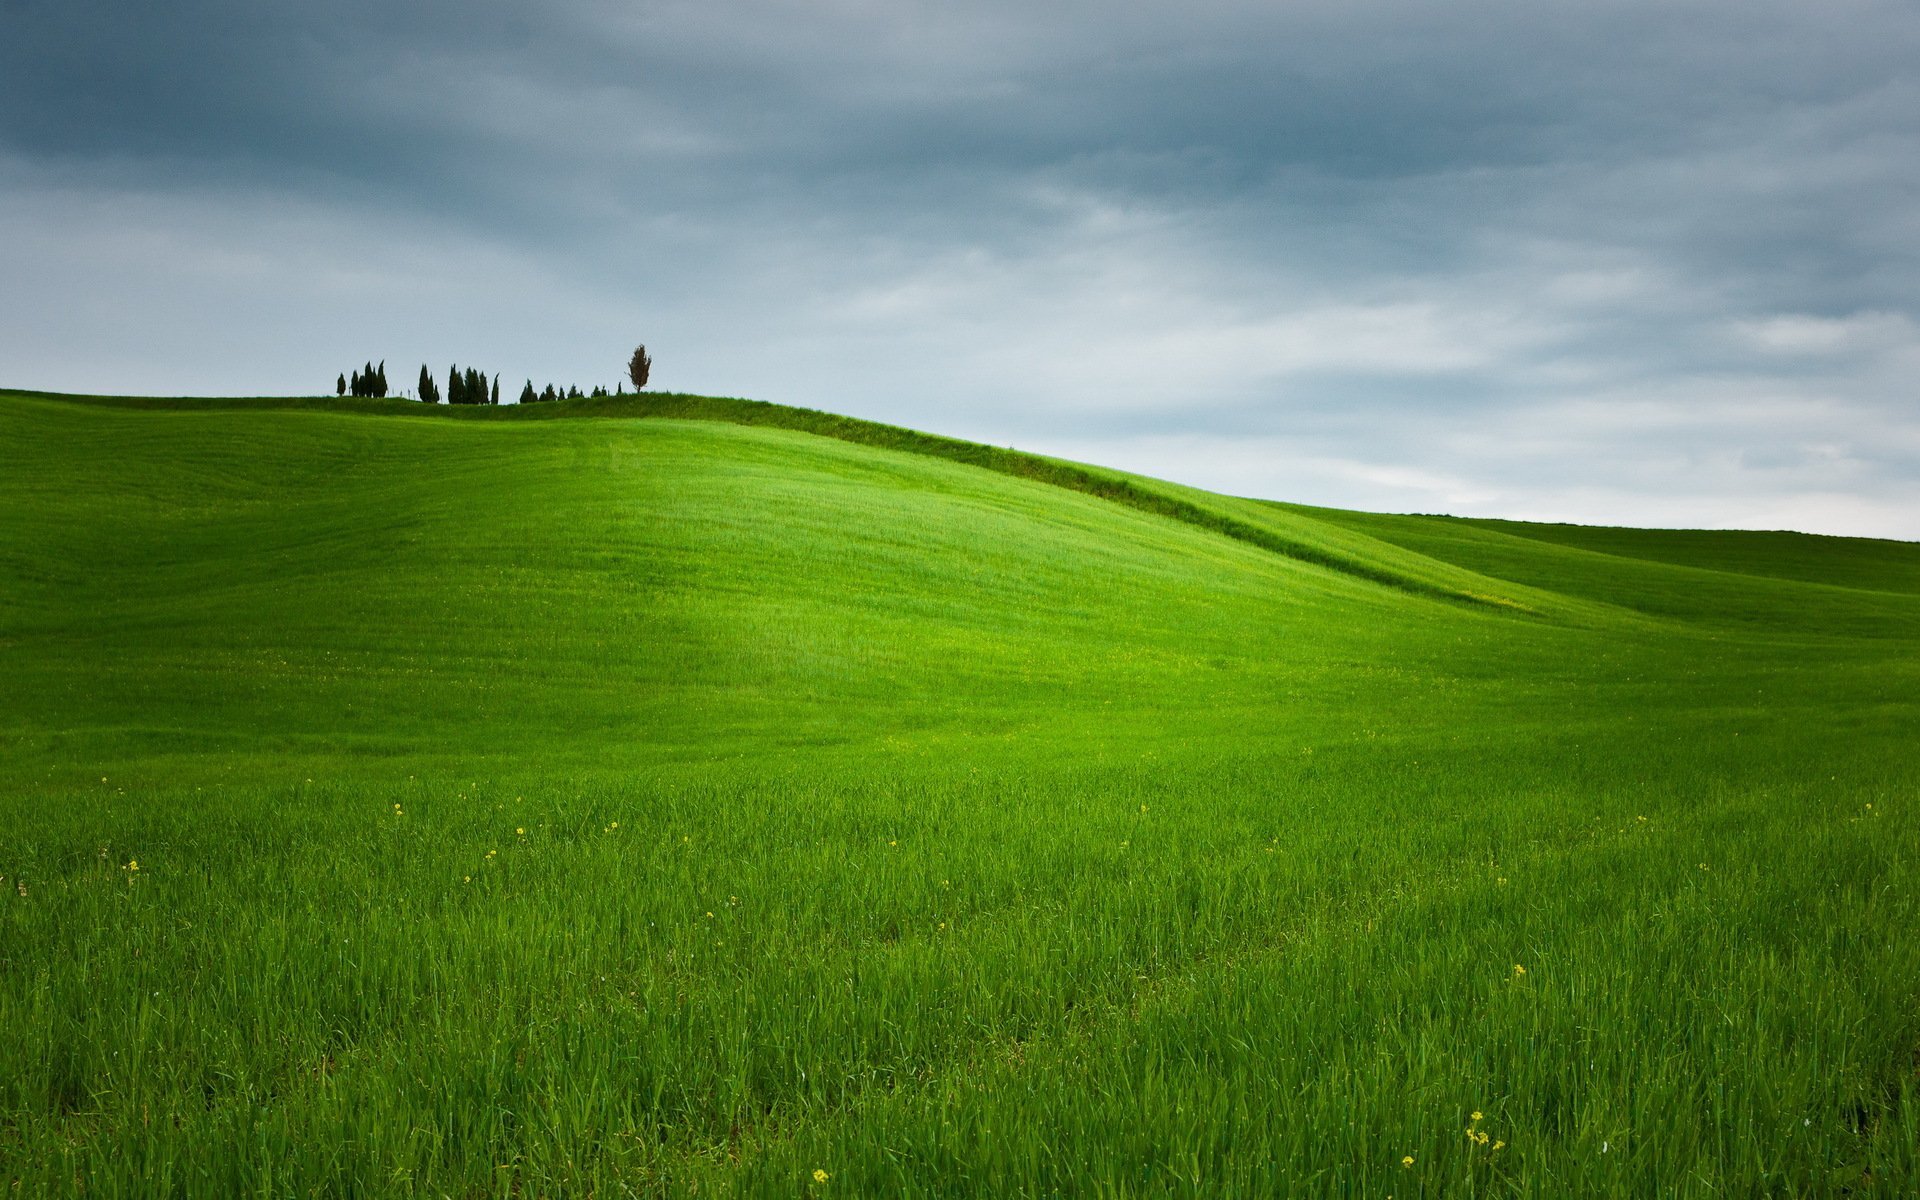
678	795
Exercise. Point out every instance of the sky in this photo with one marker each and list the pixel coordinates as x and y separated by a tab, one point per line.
1647	263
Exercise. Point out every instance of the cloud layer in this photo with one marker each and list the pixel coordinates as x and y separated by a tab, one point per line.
1645	263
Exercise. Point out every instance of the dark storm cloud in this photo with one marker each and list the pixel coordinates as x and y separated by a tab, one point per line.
1630	260
1365	91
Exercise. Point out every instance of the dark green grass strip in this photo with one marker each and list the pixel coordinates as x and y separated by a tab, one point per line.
1073	477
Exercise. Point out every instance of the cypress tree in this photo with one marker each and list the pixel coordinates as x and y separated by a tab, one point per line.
354	386
340	386
454	395
380	379
527	395
496	389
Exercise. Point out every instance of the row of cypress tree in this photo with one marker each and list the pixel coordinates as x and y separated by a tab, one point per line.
463	387
529	396
468	386
369	381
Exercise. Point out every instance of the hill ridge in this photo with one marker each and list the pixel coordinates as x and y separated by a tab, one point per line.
1112	486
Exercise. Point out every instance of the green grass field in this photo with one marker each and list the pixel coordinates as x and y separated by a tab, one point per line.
690	797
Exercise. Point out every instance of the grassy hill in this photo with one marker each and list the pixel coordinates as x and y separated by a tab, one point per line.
707	794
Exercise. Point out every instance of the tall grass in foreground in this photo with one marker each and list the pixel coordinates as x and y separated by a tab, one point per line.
1135	982
449	809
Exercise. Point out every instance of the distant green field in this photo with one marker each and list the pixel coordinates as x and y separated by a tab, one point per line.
709	798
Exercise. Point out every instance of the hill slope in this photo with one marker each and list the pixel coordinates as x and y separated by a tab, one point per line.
685	797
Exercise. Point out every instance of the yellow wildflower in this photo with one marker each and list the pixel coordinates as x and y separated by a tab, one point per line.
1407	1161
819	1176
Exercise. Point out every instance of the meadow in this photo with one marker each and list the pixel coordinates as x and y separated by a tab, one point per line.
681	796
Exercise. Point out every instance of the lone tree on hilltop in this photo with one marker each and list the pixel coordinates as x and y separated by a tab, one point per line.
340	386
638	366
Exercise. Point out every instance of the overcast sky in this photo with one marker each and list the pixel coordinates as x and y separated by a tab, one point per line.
1649	263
